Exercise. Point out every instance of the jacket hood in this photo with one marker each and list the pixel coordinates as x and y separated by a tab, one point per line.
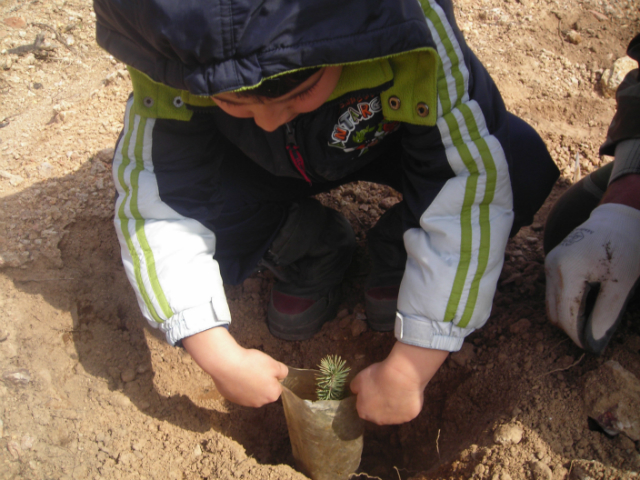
213	46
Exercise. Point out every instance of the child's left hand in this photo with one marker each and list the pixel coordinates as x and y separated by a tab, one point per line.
392	391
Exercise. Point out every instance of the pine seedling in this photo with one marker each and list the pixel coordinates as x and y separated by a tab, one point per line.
332	379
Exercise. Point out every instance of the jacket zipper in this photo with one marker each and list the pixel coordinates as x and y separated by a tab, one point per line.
294	152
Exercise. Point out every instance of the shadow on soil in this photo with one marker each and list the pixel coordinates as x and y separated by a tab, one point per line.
462	404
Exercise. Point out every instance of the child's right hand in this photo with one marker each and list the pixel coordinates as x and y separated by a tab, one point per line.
244	376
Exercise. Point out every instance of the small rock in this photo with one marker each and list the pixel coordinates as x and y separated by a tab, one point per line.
20	377
45	169
600	16
508	434
105	155
540	471
128	375
573	37
612	78
15	22
197	451
342	313
520	326
345	321
121	400
14	449
387	203
3	335
464	355
612	399
579	473
14	180
27	442
358	327
142	368
252	285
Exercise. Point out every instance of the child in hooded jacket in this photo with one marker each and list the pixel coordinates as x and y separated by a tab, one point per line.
242	111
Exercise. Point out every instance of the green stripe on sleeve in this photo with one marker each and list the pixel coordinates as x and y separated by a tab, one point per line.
124	220
140	222
485	223
433	16
466	233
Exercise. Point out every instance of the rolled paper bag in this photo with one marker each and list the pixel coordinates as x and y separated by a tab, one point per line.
326	435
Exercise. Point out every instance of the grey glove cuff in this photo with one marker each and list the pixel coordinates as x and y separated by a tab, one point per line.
627	159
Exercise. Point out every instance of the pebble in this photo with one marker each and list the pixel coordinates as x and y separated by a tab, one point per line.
387	203
15	22
20	377
46	170
574	37
612	78
612	399
540	471
128	375
197	451
508	434
358	327
345	321
105	155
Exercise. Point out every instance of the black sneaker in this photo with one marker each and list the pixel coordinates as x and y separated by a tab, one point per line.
381	304
290	317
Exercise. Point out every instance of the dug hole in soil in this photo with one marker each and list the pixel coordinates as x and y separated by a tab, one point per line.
89	391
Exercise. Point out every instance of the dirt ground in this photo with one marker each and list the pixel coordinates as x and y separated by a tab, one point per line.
89	391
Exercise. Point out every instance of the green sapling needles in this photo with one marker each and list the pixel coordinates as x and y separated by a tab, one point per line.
332	379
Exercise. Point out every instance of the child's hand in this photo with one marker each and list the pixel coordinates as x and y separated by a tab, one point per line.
391	392
244	376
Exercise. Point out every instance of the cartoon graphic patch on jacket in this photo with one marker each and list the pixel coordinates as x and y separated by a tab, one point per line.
361	125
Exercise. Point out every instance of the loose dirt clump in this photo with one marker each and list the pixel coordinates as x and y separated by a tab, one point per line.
87	390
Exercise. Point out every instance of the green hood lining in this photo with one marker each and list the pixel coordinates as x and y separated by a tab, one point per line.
414	75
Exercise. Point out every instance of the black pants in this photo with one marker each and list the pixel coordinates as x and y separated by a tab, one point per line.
256	202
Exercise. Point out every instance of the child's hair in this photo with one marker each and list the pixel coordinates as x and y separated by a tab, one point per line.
279	86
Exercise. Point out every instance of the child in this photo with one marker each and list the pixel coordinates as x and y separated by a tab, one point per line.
242	111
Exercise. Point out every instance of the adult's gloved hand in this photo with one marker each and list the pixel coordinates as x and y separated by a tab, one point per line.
592	273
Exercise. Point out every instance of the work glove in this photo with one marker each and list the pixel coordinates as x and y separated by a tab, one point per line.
592	274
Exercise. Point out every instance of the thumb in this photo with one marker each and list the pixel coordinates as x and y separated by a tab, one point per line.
602	322
281	371
356	384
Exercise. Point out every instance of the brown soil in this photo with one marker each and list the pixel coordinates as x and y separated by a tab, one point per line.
89	391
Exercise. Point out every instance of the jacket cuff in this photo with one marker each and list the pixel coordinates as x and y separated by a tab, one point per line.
425	333
627	159
195	320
